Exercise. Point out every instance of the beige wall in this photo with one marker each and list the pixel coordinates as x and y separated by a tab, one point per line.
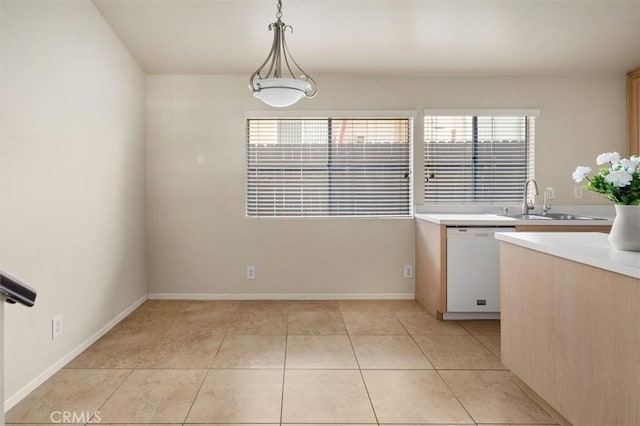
199	240
72	178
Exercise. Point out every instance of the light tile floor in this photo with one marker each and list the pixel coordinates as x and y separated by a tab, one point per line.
287	362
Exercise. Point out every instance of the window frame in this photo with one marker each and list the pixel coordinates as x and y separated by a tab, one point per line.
526	113
410	115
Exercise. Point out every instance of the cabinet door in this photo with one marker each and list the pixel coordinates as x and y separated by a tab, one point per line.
633	110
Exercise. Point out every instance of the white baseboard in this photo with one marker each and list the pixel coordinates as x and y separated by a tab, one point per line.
281	296
58	365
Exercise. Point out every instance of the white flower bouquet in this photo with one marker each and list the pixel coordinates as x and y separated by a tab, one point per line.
619	181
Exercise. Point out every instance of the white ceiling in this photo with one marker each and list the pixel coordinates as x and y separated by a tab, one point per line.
383	37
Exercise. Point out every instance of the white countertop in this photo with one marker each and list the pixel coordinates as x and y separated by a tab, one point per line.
590	248
486	219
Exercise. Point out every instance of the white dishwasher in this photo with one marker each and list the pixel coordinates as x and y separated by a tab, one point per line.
473	273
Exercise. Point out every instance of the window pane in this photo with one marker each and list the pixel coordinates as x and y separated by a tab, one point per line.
471	159
329	167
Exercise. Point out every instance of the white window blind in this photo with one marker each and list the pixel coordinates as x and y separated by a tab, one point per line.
329	167
477	159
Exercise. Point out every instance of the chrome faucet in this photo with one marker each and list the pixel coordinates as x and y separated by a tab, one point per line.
551	194
525	203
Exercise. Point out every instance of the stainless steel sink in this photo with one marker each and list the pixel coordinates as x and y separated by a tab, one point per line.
564	216
526	216
551	216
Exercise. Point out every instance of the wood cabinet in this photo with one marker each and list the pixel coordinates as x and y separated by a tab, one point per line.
559	228
633	110
431	259
431	266
569	331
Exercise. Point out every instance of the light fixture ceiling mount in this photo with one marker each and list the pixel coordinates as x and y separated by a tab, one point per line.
280	81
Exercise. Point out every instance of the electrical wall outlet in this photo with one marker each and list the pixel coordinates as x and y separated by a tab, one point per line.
251	272
577	192
200	159
408	271
56	327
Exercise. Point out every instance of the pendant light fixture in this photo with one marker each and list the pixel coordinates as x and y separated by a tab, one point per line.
280	82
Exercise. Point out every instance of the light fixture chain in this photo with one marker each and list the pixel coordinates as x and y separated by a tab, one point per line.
279	14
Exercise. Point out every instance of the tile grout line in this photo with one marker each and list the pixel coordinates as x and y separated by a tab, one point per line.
475	336
468	334
203	377
415	342
364	382
130	372
113	393
490	351
284	366
224	336
460	323
438	373
455	396
155	344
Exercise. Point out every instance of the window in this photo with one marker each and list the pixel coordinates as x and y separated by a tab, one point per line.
329	167
477	158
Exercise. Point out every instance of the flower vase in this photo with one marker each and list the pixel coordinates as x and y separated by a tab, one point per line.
625	232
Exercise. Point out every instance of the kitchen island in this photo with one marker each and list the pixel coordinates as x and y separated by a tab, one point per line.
570	307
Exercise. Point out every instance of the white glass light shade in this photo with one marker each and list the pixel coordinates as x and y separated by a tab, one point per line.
281	92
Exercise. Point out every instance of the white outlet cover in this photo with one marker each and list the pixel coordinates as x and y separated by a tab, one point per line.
577	192
251	272
408	271
56	327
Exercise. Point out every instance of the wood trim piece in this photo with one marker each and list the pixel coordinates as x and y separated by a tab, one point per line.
559	228
443	271
569	332
633	110
431	258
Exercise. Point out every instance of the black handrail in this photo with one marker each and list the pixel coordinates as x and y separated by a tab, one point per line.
12	290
